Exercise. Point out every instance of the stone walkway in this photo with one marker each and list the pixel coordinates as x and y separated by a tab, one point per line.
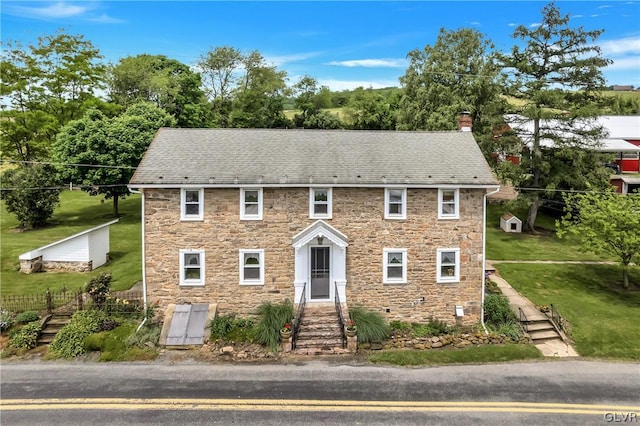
550	348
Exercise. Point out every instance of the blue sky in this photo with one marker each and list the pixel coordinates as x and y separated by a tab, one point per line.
342	44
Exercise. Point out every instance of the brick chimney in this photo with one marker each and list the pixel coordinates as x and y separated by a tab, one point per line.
465	122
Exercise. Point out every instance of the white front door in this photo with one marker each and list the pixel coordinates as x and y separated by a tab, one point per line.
320	273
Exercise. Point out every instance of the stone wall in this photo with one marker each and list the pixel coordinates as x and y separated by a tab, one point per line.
357	212
30	266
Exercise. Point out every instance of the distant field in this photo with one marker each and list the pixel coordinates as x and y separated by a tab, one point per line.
339	112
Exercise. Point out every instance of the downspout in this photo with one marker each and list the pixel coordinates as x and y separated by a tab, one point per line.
484	255
144	265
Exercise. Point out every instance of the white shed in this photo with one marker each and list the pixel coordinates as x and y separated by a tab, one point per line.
510	223
81	252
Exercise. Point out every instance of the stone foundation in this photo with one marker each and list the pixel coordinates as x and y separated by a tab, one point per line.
37	265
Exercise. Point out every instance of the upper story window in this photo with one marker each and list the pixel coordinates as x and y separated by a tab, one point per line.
191	204
394	264
448	265
251	203
320	203
192	267
252	267
395	203
448	203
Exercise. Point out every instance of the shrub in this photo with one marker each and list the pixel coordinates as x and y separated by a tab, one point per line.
372	327
26	337
272	319
433	328
149	333
497	310
27	317
510	329
98	288
69	342
5	320
220	326
108	324
117	306
32	196
399	325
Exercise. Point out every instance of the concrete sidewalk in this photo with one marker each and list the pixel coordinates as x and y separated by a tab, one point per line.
549	348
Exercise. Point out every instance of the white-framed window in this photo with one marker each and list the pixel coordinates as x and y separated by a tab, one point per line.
395	203
191	204
448	205
320	204
448	265
251	267
394	265
191	267
251	203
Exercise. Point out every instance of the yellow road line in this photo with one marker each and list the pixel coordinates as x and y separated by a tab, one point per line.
307	405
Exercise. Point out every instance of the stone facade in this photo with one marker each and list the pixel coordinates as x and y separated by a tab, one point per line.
358	213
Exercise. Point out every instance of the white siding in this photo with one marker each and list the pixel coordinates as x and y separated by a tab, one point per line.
99	246
73	250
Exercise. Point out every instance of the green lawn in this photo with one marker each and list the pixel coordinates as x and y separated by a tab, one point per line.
468	355
543	246
77	212
604	320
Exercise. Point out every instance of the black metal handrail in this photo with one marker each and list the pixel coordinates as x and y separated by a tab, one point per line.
556	318
523	320
298	318
340	314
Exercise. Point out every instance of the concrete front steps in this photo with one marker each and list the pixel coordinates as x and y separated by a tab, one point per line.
542	330
51	325
320	332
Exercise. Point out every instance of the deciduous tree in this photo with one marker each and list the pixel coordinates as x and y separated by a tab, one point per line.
605	223
101	153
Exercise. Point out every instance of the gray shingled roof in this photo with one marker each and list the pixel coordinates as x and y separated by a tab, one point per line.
303	157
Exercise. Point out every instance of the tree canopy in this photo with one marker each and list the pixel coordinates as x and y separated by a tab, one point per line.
167	83
557	77
101	153
605	223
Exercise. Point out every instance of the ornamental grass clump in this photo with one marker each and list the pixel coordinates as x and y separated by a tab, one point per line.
273	318
372	327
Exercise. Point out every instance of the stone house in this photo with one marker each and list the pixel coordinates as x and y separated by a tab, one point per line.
392	221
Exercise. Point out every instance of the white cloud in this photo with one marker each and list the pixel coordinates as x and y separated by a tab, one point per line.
59	10
620	46
535	25
629	63
337	85
604	6
577	16
475	23
511	24
278	60
371	63
595	15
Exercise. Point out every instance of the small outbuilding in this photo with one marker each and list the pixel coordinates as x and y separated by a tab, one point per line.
510	223
82	252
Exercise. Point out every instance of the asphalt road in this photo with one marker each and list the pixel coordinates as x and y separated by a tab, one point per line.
549	393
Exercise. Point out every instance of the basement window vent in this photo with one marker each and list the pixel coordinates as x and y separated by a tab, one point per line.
187	325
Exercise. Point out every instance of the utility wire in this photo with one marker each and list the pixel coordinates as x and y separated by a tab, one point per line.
104	166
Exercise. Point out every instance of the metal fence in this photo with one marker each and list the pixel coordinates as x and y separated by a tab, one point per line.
70	301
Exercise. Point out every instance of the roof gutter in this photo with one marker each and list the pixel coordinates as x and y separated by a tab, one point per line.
484	254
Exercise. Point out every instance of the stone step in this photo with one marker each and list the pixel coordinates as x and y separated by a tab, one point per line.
321	324
538	336
539	326
318	343
319	334
338	350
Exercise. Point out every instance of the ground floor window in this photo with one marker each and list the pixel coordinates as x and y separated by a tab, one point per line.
394	265
191	267
448	265
252	267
